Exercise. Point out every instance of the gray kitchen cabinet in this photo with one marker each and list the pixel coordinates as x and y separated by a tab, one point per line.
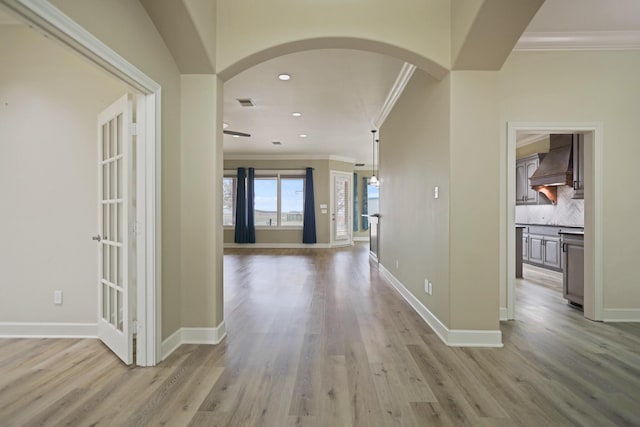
578	166
525	167
573	274
525	246
551	252
544	251
535	249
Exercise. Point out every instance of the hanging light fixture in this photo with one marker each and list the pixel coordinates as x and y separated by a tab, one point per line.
374	180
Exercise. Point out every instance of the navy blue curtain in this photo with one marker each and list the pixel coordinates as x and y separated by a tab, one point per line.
309	224
241	208
365	203
356	202
251	226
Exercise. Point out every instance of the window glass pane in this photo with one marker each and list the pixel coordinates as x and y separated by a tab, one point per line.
292	207
229	201
373	194
266	202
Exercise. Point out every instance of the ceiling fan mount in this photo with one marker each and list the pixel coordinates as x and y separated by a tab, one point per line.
235	133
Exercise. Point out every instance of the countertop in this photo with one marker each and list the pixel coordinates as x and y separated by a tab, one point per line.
573	233
524	224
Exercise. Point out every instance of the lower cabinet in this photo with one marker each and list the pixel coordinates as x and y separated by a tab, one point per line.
573	275
544	251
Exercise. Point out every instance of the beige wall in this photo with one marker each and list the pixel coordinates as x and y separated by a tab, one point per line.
534	148
321	187
474	201
590	87
201	181
245	29
50	99
414	158
136	39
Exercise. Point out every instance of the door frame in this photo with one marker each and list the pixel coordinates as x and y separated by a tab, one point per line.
49	20
348	175
594	281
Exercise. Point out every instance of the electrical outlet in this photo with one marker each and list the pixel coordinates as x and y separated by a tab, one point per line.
426	286
435	192
57	297
430	288
397	264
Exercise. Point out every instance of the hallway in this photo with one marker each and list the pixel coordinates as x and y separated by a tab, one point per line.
316	338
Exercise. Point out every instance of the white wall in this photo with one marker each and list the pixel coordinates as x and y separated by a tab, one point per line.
49	102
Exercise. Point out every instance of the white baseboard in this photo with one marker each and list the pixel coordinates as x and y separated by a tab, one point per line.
373	258
193	336
277	245
48	330
451	337
504	314
361	239
620	315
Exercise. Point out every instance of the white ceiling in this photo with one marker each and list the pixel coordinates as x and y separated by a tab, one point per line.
339	92
586	15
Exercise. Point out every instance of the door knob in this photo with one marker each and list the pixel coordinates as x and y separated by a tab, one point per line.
97	238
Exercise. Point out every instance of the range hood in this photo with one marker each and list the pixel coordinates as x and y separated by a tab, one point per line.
556	168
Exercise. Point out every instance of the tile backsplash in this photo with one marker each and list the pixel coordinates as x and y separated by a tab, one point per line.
568	211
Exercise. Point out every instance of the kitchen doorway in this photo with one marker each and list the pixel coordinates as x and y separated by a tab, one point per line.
592	270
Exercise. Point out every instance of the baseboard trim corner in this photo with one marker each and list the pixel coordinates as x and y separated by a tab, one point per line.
48	330
451	337
193	336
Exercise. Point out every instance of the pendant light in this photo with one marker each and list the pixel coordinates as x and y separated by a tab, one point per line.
374	181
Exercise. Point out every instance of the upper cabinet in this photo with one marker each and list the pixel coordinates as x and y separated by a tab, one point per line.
525	195
578	166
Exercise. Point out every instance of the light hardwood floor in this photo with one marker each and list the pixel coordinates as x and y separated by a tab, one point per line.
317	338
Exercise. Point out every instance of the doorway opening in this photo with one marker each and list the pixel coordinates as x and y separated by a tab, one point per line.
543	241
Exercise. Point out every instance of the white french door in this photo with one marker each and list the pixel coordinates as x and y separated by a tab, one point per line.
341	208
115	170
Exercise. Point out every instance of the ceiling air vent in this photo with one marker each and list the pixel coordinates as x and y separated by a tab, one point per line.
277	143
359	165
246	102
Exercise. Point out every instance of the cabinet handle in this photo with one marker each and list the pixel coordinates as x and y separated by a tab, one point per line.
564	247
576	185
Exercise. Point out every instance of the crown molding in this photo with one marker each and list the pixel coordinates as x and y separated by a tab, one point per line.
289	157
581	40
396	90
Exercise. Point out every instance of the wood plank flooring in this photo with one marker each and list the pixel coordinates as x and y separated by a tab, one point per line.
317	338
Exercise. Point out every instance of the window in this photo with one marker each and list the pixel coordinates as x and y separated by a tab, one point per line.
278	200
292	205
266	202
373	196
229	201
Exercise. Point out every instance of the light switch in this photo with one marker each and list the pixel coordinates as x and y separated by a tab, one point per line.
324	211
57	297
323	206
435	192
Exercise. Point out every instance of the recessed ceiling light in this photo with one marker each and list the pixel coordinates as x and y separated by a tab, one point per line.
303	135
284	77
296	114
225	125
236	136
